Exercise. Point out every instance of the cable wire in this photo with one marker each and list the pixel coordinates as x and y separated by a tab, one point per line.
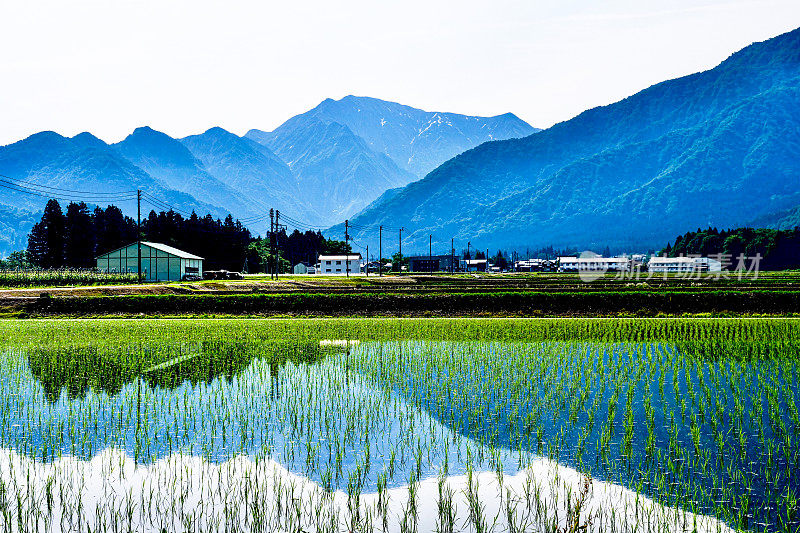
33	185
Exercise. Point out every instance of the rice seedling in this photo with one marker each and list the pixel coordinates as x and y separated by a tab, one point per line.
424	425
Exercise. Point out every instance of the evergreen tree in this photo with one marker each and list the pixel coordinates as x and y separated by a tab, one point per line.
500	260
46	240
37	245
79	245
113	229
334	247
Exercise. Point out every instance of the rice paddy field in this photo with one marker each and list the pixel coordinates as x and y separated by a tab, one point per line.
400	425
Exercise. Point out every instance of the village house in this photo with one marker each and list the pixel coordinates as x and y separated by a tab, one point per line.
339	264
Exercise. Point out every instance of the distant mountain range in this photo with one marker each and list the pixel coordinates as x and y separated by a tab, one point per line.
416	141
717	148
319	167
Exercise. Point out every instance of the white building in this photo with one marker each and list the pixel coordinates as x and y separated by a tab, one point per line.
339	264
474	265
683	265
533	265
159	262
594	264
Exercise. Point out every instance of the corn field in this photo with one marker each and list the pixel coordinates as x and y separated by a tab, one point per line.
62	277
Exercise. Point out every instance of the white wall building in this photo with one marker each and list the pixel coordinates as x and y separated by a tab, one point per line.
594	264
159	262
474	265
339	264
683	265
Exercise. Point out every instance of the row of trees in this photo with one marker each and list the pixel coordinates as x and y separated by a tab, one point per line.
296	247
779	249
73	239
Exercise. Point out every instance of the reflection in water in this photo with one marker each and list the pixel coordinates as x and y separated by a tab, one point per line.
388	413
305	406
76	370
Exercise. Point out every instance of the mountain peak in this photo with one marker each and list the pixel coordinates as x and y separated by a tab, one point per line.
144	130
147	134
88	140
417	141
46	135
218	131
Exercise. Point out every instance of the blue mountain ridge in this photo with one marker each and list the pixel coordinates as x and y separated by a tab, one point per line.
720	148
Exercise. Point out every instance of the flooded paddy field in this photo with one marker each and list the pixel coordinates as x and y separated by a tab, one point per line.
399	425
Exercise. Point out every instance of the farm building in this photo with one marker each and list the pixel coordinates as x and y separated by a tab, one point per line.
159	262
432	263
474	265
339	264
534	265
594	264
684	264
304	268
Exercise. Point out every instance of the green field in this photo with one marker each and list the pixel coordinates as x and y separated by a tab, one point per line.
523	295
403	424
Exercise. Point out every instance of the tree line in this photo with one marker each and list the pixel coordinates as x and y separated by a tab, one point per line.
779	249
73	239
293	248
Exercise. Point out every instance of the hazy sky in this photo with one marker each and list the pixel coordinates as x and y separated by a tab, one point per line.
181	67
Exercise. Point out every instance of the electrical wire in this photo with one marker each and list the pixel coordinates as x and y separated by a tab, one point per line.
65	197
60	193
33	186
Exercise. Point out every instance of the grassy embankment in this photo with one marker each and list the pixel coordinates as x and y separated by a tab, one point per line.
774	294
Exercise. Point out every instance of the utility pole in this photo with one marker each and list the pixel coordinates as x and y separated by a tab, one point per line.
452	256
277	224
366	269
271	247
139	233
430	252
380	251
346	253
400	241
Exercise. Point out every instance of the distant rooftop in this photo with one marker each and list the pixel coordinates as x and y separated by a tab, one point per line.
159	246
572	259
350	257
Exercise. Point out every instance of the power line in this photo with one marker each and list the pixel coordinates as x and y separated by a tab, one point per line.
33	185
68	198
168	206
72	197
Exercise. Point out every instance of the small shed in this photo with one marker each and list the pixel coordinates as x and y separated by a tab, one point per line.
159	262
475	265
300	268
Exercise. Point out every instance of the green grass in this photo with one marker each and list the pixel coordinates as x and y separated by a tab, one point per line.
399	303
